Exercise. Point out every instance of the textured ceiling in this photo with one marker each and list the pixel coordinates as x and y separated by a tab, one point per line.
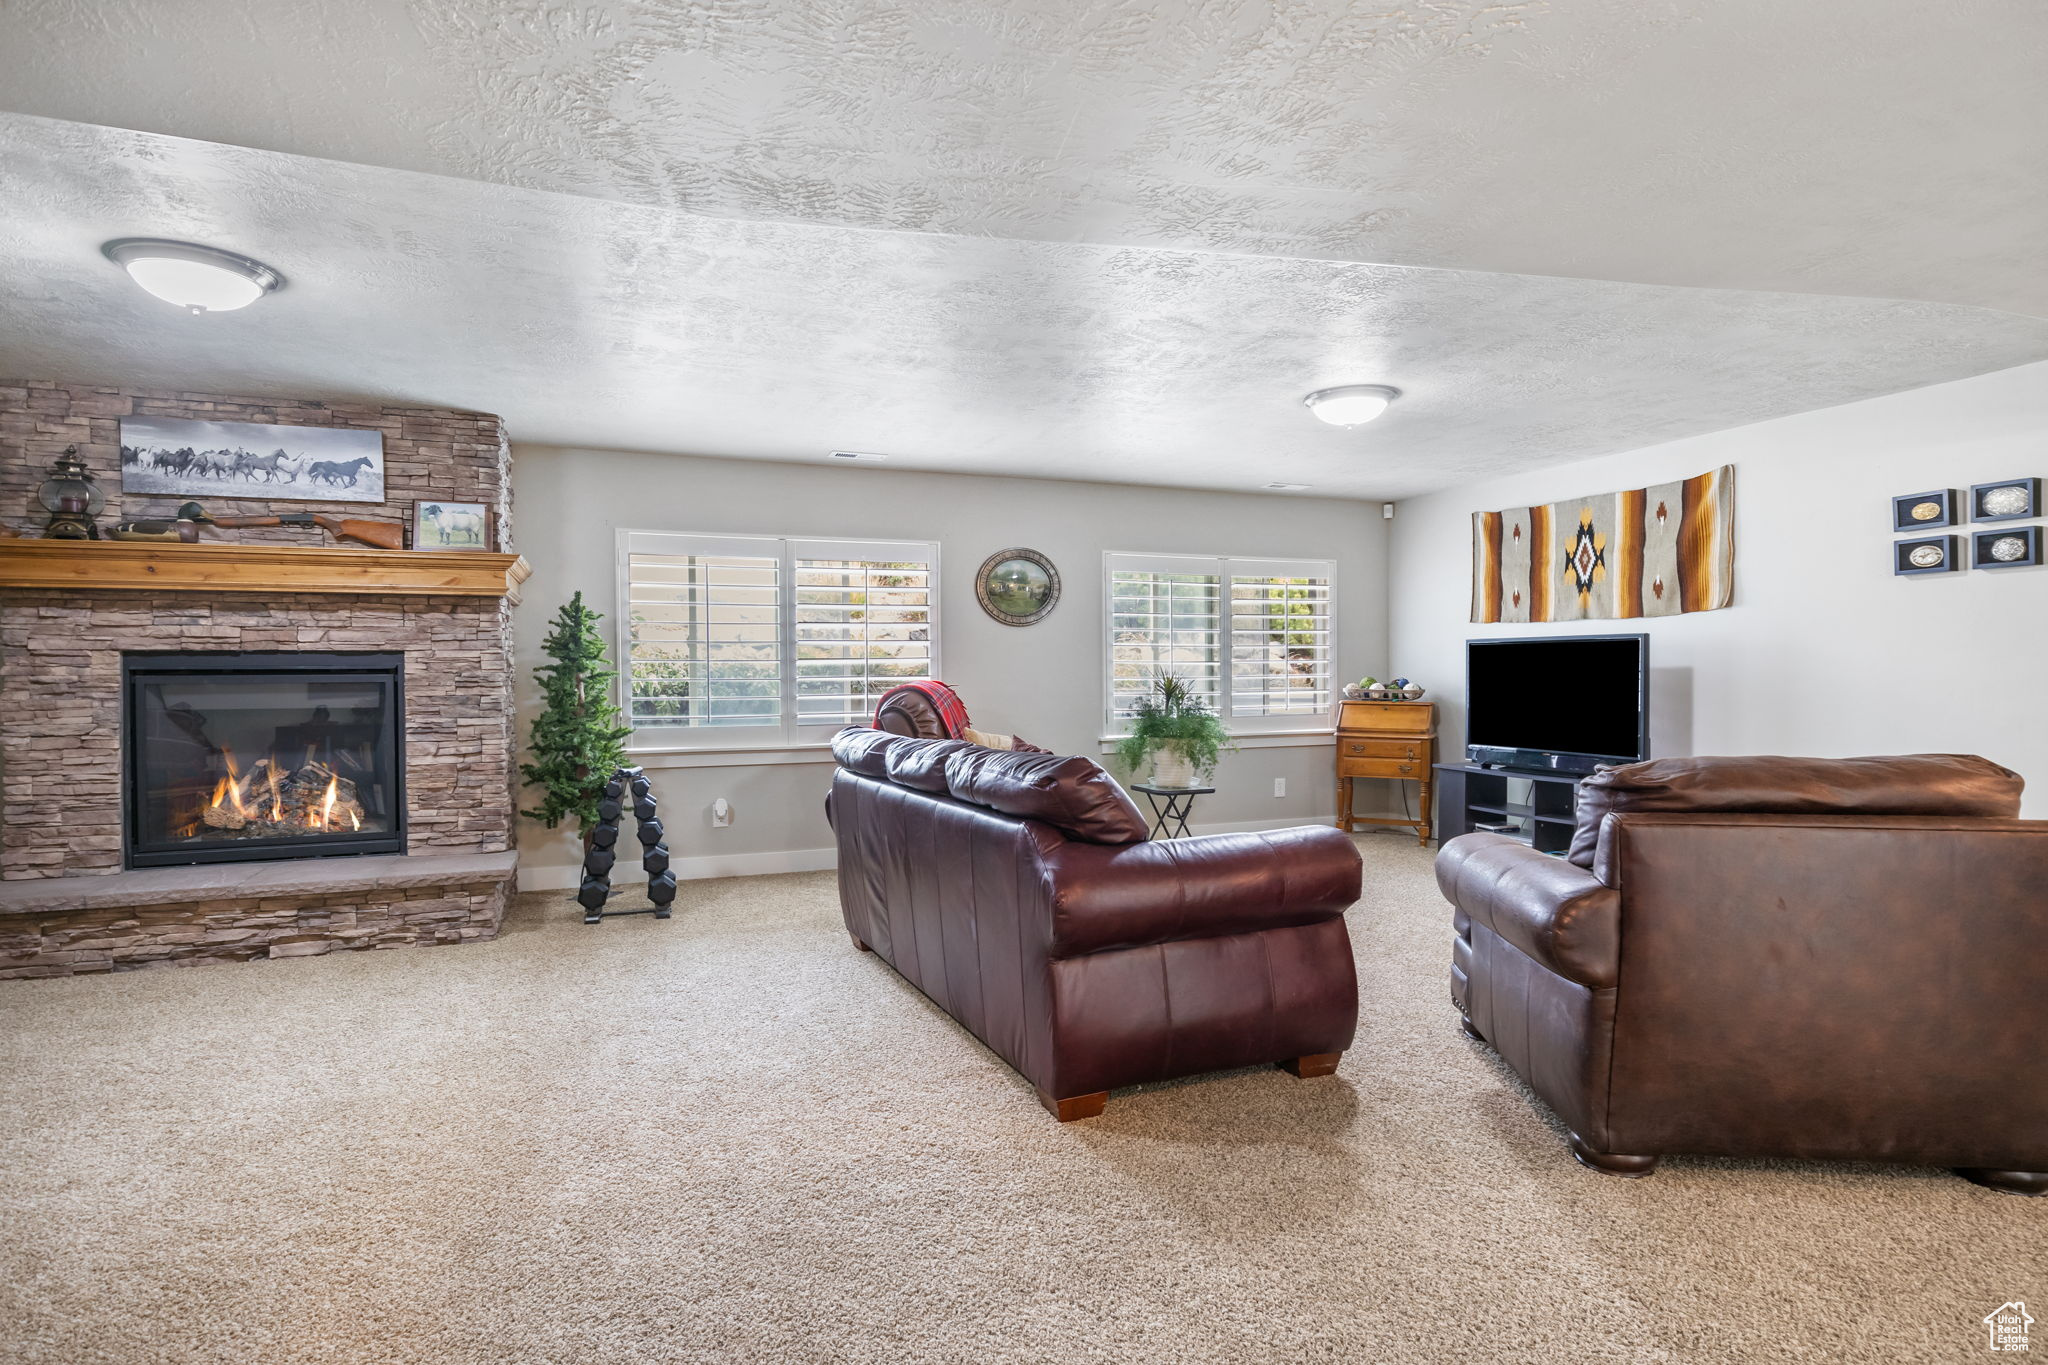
1887	148
588	321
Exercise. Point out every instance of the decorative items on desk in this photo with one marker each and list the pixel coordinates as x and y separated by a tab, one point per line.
1372	689
71	498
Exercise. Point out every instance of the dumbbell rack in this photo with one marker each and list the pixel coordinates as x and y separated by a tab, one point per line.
603	853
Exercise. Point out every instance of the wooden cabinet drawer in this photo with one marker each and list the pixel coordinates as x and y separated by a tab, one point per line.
1413	770
1397	716
1415	749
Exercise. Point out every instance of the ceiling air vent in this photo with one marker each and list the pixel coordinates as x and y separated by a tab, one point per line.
1289	487
858	455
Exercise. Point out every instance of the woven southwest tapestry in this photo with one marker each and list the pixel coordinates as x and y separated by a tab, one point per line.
1655	551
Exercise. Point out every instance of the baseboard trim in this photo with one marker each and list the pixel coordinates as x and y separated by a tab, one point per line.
805	859
1254	826
688	869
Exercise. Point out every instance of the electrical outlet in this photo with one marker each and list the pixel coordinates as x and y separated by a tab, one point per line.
721	813
1279	786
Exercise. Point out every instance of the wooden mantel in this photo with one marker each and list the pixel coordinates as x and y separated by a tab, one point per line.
155	566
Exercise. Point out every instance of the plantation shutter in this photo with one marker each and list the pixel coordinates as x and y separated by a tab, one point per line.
704	637
1279	639
863	626
1254	638
1163	619
751	640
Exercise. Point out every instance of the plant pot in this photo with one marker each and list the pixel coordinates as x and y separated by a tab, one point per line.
1172	768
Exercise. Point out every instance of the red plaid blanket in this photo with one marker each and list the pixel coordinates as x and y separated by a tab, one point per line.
951	710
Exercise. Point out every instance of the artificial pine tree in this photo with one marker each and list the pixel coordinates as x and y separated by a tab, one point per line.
576	738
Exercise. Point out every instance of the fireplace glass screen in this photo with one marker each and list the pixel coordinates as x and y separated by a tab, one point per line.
256	756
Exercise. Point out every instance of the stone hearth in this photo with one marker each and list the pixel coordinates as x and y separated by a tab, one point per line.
67	904
185	916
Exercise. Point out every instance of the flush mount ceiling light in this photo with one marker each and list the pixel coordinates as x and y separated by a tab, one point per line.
1350	405
199	279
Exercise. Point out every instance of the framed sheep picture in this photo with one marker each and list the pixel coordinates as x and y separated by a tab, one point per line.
438	525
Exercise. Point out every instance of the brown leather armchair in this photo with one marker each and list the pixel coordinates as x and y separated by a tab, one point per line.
1018	892
1822	958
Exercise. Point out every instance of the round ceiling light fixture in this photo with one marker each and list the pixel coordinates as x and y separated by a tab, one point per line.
199	279
1351	405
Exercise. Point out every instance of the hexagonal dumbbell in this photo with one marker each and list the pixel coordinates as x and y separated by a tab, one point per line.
603	835
655	859
650	833
598	862
661	889
592	895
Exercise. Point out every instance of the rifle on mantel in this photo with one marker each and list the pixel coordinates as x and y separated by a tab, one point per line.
385	535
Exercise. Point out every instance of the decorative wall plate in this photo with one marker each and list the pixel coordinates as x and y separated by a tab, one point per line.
1930	554
2015	547
1017	586
2007	500
1925	511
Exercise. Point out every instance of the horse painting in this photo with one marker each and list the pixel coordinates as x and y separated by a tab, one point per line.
173	457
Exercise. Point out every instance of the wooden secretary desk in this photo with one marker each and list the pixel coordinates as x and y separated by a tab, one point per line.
1390	740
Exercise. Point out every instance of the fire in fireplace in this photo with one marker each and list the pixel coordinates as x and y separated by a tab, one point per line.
255	756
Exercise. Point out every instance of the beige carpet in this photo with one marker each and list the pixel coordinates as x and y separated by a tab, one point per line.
730	1137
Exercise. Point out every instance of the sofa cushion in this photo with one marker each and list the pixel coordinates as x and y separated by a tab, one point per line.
864	751
921	763
1908	784
1070	793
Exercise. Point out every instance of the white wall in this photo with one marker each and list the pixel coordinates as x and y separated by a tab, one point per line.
1825	651
1043	681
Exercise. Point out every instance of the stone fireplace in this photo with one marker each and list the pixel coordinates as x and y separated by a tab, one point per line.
269	747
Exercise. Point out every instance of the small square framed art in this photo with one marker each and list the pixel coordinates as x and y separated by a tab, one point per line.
2006	500
2011	547
438	525
1927	554
1925	511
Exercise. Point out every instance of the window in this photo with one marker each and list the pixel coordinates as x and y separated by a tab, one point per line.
730	641
1251	636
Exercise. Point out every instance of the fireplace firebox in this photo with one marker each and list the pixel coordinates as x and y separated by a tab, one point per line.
244	756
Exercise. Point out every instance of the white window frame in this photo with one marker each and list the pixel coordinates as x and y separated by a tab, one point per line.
755	743
1224	567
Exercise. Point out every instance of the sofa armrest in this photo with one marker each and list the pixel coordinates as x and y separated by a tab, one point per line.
1106	896
1555	911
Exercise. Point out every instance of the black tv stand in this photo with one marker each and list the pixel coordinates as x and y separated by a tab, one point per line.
1540	808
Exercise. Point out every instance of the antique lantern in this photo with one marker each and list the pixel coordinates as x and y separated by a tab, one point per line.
71	498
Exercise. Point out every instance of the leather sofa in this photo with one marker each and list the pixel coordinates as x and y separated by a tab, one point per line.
1018	891
1751	957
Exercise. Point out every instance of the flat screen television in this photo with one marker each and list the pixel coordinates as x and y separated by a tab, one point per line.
1558	705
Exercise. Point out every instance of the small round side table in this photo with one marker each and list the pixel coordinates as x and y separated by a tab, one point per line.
1173	814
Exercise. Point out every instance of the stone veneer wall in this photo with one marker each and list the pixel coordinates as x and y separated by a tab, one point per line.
429	453
60	729
60	659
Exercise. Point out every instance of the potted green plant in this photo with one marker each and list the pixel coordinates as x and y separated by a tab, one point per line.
1177	732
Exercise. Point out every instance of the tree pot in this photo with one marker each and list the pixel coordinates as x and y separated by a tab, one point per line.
1172	768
